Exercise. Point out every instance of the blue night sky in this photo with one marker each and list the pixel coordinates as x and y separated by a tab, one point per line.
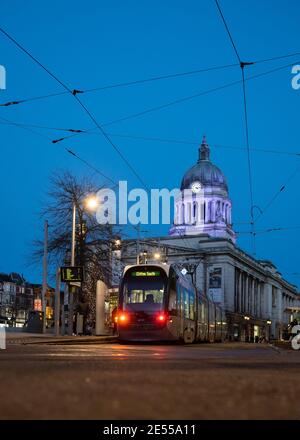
96	43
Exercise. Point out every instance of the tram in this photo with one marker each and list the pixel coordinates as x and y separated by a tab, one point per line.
158	303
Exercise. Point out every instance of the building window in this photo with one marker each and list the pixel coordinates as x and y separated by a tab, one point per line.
274	296
195	211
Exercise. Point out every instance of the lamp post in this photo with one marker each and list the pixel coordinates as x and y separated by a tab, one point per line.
90	203
45	273
70	289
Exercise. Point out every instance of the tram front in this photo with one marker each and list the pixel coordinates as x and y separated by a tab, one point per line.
142	313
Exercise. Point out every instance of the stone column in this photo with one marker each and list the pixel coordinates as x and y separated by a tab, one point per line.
246	294
206	211
267	304
187	213
279	305
259	299
213	211
253	299
240	292
182	208
279	311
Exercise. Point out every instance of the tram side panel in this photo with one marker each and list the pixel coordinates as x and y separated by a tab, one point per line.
202	334
212	322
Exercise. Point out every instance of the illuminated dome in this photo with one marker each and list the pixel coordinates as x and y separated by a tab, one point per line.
203	206
204	172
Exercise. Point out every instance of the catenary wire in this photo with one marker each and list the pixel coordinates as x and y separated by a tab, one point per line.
178	101
250	178
67	88
157	78
149	138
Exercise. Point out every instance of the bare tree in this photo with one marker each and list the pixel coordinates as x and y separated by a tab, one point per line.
93	241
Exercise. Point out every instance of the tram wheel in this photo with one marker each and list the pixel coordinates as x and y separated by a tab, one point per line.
188	336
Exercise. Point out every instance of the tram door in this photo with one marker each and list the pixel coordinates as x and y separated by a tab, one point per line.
180	308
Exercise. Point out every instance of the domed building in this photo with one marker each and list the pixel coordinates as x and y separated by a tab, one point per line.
204	206
258	301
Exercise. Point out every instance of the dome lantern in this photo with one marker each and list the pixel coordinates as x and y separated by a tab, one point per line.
204	150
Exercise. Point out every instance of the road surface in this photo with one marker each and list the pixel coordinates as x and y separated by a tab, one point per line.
113	381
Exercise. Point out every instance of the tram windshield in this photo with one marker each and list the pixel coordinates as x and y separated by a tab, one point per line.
144	290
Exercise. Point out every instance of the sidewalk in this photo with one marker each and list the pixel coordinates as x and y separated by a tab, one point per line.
283	345
38	338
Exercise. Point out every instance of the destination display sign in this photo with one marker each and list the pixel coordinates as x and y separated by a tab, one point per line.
146	274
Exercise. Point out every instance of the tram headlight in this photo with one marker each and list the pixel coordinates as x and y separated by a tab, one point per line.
122	318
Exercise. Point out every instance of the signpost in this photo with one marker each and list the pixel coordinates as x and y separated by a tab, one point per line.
71	274
57	304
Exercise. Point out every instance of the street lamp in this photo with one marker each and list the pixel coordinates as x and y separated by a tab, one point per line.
91	203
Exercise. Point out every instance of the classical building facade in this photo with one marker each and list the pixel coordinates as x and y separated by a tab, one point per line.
259	303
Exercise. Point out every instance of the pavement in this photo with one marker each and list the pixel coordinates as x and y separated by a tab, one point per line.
120	381
18	338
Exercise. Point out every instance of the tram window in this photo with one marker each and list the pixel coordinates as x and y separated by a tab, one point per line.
173	297
188	299
186	304
146	295
179	295
192	305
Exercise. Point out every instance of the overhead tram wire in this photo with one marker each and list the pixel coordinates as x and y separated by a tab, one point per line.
141	81
281	57
74	93
188	142
276	195
147	138
91	116
68	150
82	105
72	153
84	161
44	127
178	101
122	84
76	132
268	230
242	66
228	31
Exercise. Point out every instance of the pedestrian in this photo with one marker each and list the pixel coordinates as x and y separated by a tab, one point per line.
114	317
